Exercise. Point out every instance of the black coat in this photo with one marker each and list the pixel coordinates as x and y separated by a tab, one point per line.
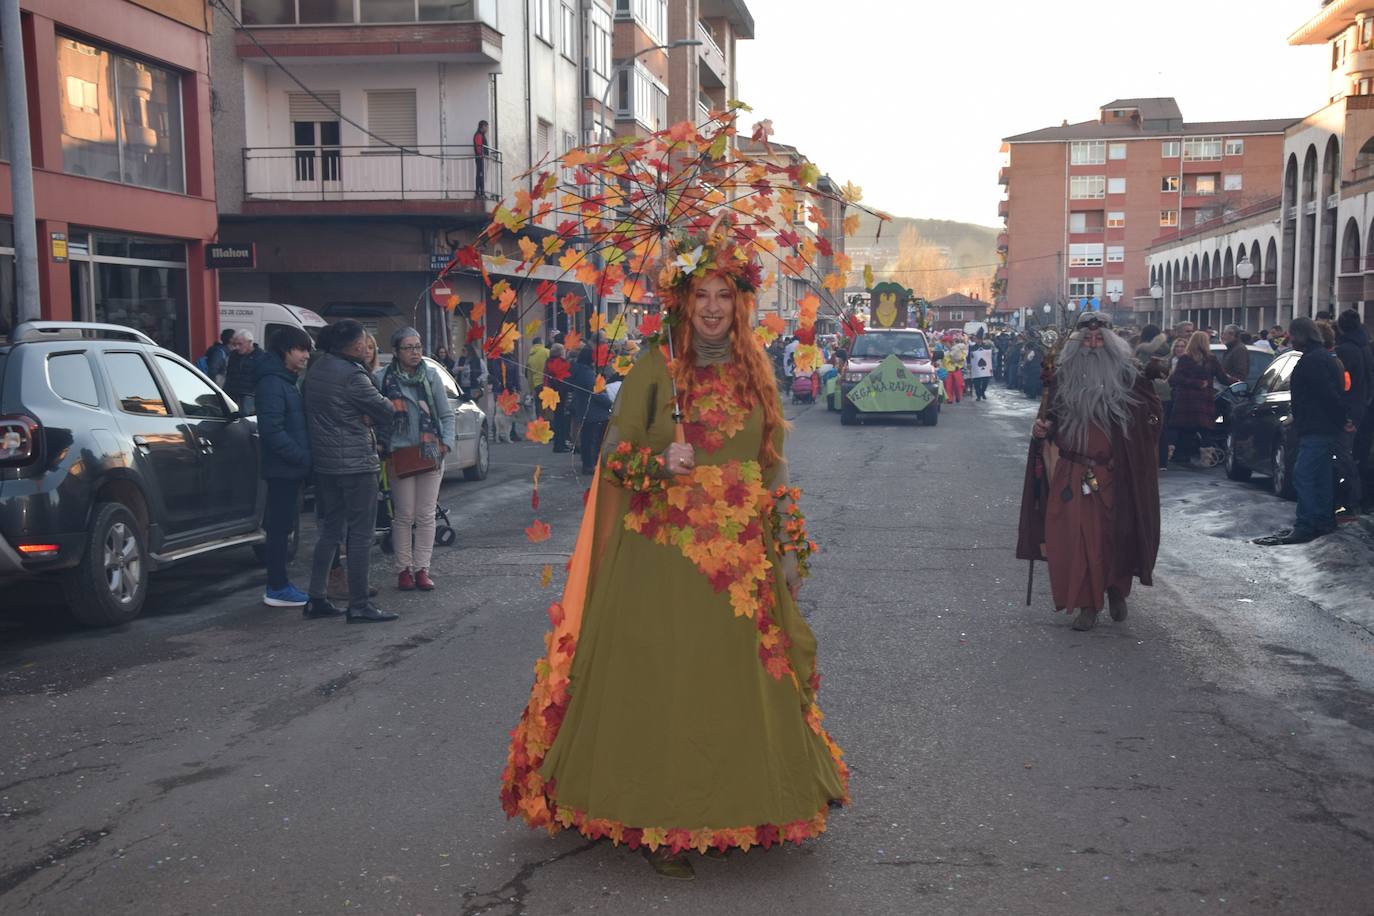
1353	352
1318	400
241	378
339	394
281	422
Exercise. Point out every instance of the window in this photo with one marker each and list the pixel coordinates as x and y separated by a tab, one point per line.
1085	289
1116	186
1231	183
1088	152
391	117
341	12
1085	255
651	14
542	20
133	385
569	141
136	281
315	134
955	315
1169	149
1235	147
1087	187
197	399
642	98
567	33
121	117
1116	254
1202	148
543	141
1115	286
1116	219
1205	185
384	10
1169	183
1168	217
1116	151
1078	222
70	378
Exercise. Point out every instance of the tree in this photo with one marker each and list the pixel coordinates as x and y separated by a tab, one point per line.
930	273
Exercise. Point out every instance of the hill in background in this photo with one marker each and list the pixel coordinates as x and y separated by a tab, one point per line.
968	244
932	257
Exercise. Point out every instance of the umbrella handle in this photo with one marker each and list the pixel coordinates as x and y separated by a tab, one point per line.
679	433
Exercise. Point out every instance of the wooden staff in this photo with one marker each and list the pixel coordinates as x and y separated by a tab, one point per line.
1038	448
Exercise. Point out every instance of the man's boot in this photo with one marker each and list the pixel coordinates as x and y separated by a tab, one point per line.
1086	619
1116	602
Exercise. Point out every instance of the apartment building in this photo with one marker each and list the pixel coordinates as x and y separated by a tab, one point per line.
1085	201
1311	247
119	127
345	140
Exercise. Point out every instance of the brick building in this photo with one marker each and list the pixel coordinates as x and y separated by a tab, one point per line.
1085	201
124	191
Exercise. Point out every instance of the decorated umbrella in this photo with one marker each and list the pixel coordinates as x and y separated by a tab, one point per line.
604	215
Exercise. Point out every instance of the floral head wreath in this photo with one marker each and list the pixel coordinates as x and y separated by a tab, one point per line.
693	256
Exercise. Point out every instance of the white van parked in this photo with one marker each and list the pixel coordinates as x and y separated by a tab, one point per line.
262	318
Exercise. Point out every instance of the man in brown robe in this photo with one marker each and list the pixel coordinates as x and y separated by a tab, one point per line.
1090	503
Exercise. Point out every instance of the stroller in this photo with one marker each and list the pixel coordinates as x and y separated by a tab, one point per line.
804	389
444	535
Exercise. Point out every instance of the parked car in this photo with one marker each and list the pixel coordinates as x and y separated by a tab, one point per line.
1260	438
472	451
117	458
1260	358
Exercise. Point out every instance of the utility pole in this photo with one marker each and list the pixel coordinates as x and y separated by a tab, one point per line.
21	164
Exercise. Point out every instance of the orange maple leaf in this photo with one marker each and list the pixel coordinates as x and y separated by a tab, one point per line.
539	431
537	532
548	398
571	304
509	402
572	340
528	250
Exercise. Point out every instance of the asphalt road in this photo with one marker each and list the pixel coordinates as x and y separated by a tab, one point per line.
1213	753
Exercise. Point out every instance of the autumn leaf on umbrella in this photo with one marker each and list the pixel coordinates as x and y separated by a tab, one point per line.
509	402
537	532
558	368
532	328
539	431
651	324
571	341
571	304
548	398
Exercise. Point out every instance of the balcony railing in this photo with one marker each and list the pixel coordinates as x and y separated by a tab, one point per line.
1003	208
354	173
712	57
257	13
1004	176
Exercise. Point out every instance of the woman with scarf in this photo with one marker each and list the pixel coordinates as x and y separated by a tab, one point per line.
422	434
675	708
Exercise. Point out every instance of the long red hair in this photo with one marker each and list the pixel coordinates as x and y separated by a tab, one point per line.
753	378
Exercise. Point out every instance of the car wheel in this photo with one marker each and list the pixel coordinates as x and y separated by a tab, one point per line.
109	585
931	415
479	470
849	414
1282	479
1235	468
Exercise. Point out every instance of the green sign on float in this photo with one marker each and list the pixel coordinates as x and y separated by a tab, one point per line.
890	388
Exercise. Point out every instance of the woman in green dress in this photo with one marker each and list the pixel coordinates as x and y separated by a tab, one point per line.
675	708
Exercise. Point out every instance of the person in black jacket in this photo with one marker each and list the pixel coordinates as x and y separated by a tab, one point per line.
592	407
1352	349
344	412
285	448
1319	415
241	376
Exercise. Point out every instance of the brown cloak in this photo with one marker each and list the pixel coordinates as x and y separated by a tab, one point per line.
1136	516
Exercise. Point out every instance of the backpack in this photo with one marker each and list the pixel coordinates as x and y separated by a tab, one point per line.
203	364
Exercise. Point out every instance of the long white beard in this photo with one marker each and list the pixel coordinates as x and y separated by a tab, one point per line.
1094	388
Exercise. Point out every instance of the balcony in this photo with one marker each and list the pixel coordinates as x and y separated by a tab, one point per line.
457	30
351	180
1003	241
1003	208
1004	176
714	73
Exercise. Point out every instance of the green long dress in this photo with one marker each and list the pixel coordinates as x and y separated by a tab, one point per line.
680	709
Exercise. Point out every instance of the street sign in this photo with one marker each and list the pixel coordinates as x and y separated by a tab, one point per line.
231	257
438	262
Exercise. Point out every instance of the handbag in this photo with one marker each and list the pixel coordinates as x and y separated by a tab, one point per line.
409	461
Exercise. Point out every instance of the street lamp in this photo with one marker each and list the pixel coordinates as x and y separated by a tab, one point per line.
1157	294
1047	309
629	62
1244	270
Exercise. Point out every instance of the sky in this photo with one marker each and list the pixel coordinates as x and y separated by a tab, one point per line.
910	99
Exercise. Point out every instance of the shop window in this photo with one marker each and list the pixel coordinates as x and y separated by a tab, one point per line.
135	281
121	117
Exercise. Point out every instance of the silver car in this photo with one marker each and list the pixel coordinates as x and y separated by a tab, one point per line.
471	454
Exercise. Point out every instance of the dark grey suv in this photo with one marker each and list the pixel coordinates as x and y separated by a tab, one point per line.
117	457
